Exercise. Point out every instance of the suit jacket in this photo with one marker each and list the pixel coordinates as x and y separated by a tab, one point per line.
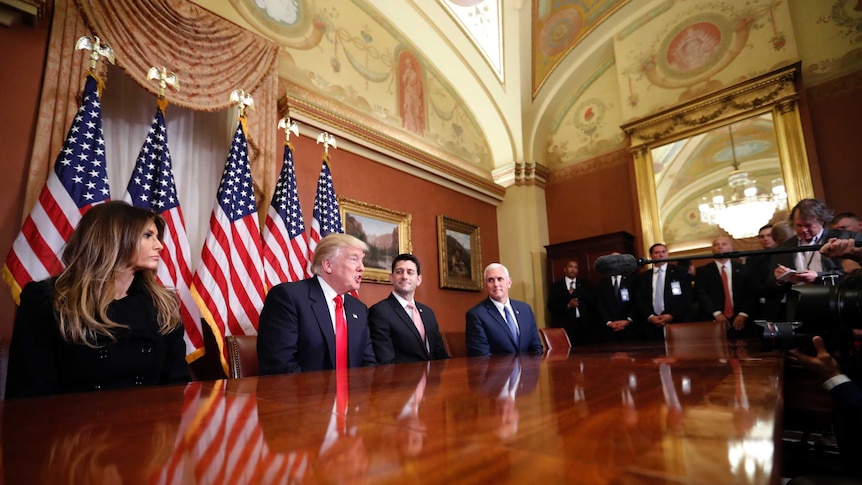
488	334
710	294
831	266
677	306
296	333
610	307
395	338
559	297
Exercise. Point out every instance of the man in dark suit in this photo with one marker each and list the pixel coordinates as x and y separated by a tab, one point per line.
663	295
314	324
761	273
570	303
614	305
499	325
809	218
402	329
729	299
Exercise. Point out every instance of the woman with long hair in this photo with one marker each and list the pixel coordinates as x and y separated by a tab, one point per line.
104	322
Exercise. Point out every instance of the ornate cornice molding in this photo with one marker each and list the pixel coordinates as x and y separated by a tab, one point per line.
521	174
612	159
775	88
378	137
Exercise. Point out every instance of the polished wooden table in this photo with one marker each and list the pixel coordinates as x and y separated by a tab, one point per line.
639	416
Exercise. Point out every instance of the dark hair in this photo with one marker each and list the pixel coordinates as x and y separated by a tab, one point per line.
812	208
407	257
656	245
684	263
767	226
849	215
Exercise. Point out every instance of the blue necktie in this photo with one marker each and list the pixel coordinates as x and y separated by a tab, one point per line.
510	320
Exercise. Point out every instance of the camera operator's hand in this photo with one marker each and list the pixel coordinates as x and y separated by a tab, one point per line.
841	248
822	363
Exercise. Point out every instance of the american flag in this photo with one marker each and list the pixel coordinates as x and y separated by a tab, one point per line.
284	246
79	180
229	282
327	216
152	187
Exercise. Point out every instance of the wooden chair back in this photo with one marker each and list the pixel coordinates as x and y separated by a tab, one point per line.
242	352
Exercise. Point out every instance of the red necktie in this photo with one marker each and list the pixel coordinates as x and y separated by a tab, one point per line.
340	334
728	302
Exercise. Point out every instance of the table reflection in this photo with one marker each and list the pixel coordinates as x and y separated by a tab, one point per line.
602	417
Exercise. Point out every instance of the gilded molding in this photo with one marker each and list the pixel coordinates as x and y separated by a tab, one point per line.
760	93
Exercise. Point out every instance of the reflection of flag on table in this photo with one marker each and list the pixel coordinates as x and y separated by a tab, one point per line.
78	181
220	441
229	284
152	187
285	250
327	217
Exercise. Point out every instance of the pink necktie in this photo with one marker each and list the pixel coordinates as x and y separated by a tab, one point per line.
417	320
340	334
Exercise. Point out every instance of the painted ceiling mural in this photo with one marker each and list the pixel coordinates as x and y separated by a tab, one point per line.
686	49
350	59
350	54
482	20
558	26
587	125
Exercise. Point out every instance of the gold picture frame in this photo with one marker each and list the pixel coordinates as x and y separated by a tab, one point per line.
386	231
460	254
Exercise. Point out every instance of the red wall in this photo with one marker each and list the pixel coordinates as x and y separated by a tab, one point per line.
23	59
361	179
595	202
834	110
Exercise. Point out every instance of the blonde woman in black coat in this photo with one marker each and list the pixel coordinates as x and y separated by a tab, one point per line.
104	322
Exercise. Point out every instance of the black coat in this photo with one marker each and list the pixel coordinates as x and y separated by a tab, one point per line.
41	362
395	338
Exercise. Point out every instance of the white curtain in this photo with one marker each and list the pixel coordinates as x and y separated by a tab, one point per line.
198	142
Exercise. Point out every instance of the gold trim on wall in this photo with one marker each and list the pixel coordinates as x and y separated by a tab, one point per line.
775	91
377	271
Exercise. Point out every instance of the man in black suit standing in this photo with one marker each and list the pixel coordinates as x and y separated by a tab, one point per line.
569	301
402	329
615	306
727	292
663	295
315	324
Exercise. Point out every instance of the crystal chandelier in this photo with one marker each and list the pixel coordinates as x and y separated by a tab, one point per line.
744	211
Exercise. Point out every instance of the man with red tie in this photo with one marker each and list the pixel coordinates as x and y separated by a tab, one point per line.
315	324
727	292
402	329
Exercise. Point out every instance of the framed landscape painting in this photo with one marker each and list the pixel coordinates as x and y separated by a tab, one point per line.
460	254
387	233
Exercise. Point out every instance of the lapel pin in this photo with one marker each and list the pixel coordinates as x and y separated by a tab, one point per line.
354	316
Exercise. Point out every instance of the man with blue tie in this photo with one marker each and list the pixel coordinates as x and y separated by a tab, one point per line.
499	325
